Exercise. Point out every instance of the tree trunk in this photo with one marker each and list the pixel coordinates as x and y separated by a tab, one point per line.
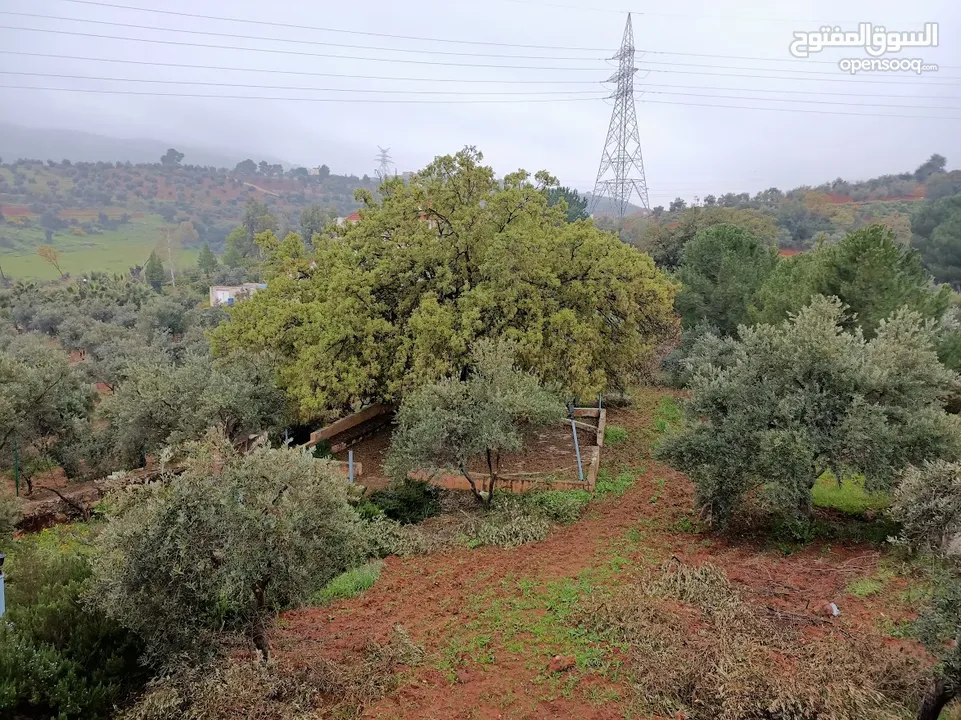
935	698
473	485
258	632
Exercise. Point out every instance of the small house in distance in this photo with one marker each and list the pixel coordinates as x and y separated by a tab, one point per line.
229	294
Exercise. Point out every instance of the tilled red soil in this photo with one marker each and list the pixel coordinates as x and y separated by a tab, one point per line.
428	597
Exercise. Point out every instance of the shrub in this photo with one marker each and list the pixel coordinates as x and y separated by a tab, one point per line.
408	501
223	545
928	505
10	514
58	657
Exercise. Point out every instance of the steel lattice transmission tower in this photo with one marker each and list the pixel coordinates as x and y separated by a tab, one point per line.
385	160
621	173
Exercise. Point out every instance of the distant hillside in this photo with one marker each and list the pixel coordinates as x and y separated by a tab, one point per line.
605	206
18	142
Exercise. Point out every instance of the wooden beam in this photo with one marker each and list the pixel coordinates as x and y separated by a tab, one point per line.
601	424
346	423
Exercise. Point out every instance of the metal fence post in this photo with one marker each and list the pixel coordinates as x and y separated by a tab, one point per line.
350	465
577	447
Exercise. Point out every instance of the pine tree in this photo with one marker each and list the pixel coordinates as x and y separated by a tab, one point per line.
154	272
207	261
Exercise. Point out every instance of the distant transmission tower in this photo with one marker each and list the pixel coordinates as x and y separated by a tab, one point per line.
621	173
385	160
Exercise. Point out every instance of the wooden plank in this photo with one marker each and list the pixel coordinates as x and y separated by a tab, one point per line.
601	424
346	423
585	412
594	467
585	426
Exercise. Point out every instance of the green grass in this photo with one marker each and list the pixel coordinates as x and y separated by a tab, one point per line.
607	484
113	251
865	587
614	435
848	497
349	584
668	415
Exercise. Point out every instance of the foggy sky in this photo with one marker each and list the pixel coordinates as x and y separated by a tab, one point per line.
688	150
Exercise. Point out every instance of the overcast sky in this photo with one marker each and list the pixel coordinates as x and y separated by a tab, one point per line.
689	148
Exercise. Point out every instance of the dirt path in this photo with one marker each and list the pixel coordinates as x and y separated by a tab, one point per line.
477	612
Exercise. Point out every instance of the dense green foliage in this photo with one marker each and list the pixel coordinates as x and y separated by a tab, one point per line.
787	402
937	236
449	257
58	657
576	205
665	238
147	350
407	501
221	546
44	404
721	270
867	270
449	423
928	504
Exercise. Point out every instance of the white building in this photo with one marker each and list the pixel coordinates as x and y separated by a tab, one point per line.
229	294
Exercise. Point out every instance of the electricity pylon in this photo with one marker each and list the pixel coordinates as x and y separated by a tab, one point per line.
621	173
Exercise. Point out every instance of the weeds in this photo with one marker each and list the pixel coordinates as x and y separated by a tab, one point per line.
668	415
561	506
865	587
616	486
714	657
848	496
614	435
349	584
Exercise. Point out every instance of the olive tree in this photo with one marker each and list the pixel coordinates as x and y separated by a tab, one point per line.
449	423
220	546
928	505
159	402
784	403
44	405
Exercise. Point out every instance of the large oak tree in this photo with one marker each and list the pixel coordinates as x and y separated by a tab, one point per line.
444	259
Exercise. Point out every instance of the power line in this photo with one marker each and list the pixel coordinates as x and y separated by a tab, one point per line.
151	63
846	79
332	30
737	67
292	99
421	38
645	89
698	16
455	102
261	38
796	92
754	57
593	93
809	102
181	43
799	110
